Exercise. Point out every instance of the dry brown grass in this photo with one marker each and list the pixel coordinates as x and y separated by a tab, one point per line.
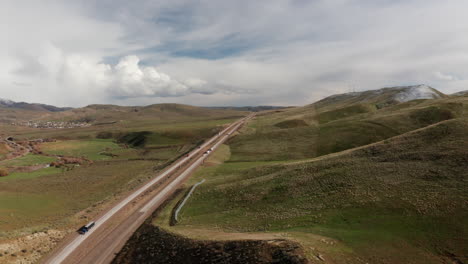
3	172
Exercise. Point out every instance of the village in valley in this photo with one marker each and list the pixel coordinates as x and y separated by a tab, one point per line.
51	124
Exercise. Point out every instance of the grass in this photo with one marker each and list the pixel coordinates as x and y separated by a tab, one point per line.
26	208
291	123
278	144
344	112
149	139
222	154
90	149
66	198
338	136
162	123
315	130
28	160
68	192
30	175
398	201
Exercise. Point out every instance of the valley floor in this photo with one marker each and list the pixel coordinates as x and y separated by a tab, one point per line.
69	176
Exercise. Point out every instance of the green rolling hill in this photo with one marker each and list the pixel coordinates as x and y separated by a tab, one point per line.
353	182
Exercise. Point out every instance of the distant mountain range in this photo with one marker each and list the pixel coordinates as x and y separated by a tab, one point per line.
5	103
384	96
248	108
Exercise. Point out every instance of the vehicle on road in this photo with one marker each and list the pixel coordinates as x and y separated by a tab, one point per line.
86	228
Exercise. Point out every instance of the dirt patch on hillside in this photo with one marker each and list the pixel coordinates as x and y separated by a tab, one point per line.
30	248
151	244
4	149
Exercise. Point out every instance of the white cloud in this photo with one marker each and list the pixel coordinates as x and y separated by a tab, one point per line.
131	80
75	76
444	77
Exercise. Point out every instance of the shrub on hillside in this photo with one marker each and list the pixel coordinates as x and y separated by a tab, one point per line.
135	139
292	123
431	115
104	135
3	172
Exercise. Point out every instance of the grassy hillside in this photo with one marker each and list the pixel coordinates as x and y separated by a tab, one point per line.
35	202
165	122
402	200
97	114
319	129
118	116
8	115
380	98
356	178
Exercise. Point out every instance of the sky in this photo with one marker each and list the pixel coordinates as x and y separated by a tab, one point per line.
224	52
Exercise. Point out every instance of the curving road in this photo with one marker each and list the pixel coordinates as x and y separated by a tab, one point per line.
114	227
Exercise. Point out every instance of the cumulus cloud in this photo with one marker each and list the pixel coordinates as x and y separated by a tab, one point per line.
129	79
77	79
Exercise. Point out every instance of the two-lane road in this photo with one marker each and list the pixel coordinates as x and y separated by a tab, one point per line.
113	228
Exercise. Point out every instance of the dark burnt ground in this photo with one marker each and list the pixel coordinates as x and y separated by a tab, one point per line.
151	244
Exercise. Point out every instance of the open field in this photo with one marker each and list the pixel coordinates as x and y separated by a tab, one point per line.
399	200
90	149
62	197
29	175
29	159
27	166
66	193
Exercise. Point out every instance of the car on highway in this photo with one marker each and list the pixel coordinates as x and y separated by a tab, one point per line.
86	228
